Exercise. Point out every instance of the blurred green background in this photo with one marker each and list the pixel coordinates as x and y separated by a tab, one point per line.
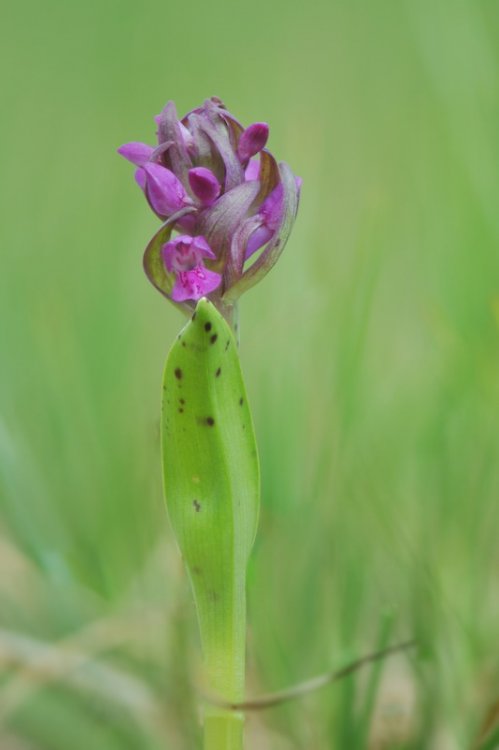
371	358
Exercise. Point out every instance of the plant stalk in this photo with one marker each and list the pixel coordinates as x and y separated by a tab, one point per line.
224	647
212	489
223	730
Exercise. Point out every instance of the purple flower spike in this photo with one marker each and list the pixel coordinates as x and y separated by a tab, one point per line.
252	140
165	191
184	256
136	152
221	196
204	184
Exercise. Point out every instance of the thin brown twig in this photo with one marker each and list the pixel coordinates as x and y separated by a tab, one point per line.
315	683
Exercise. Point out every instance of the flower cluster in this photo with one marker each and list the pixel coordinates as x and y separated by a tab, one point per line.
215	184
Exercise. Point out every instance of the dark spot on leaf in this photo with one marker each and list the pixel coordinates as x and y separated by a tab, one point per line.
182	401
227	344
213	338
196	570
178	373
208	421
184	344
180	411
217	374
277	243
197	505
241	401
207	326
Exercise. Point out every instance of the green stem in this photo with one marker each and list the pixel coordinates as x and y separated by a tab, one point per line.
222	622
223	730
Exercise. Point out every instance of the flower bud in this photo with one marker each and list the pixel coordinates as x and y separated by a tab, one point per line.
252	140
165	192
204	185
138	153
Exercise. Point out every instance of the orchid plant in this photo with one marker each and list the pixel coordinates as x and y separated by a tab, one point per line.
227	208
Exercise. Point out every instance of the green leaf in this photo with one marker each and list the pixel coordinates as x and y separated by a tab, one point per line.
212	485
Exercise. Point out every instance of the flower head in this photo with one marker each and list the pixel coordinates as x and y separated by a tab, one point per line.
216	184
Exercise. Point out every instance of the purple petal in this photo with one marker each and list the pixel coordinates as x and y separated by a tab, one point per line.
160	150
169	130
204	184
169	254
195	284
252	171
187	223
140	178
165	191
201	245
219	222
201	148
272	208
186	135
258	239
213	125
252	140
136	152
184	253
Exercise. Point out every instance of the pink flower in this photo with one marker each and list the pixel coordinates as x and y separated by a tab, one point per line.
184	256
